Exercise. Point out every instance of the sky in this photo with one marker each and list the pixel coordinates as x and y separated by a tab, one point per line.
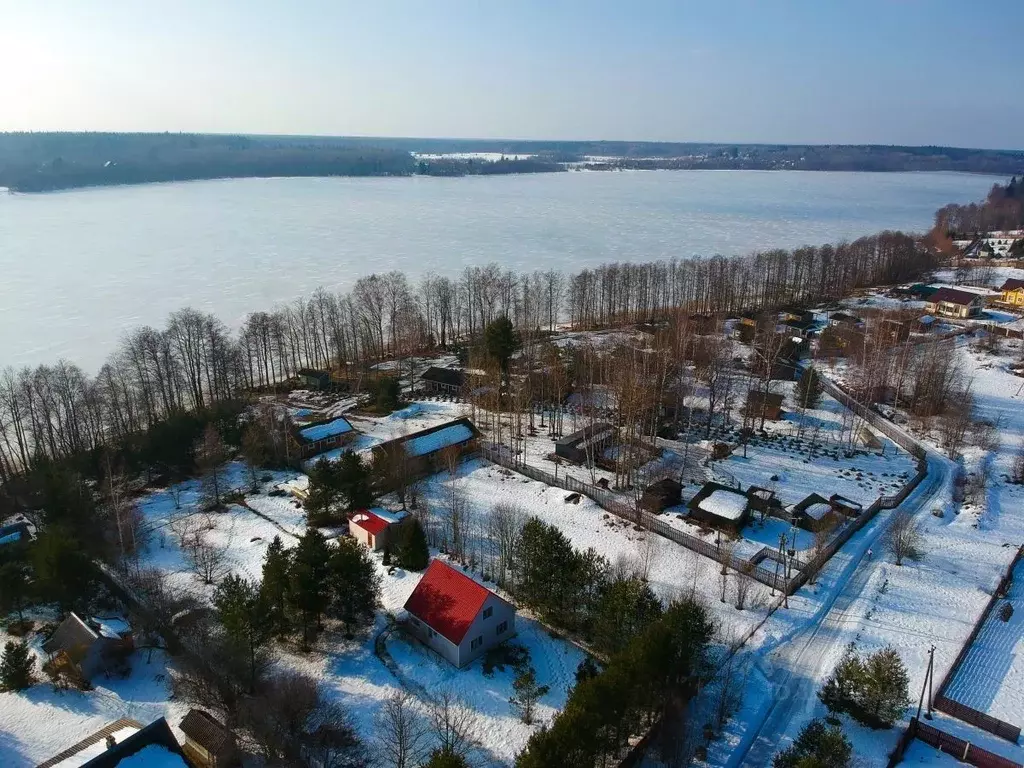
945	72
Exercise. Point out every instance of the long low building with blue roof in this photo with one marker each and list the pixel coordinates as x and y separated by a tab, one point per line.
325	435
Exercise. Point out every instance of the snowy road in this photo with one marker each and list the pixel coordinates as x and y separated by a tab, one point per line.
795	669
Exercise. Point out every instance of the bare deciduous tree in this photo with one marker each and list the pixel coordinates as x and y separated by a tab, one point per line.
506	524
904	537
452	724
210	455
744	582
401	732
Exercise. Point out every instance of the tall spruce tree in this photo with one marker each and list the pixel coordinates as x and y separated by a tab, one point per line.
526	693
808	388
63	570
274	587
817	746
244	615
326	496
309	582
412	552
14	587
354	481
355	586
16	665
625	608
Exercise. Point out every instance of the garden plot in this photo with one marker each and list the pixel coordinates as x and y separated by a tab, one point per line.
673	570
38	723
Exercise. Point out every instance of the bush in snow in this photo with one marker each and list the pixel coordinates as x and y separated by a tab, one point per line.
873	690
817	746
526	694
16	667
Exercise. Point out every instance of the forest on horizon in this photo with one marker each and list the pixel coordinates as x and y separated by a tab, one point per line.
45	161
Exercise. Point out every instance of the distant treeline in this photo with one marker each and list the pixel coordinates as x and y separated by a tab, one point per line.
36	162
1003	209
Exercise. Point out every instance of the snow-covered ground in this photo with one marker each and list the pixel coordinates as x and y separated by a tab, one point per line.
935	600
40	722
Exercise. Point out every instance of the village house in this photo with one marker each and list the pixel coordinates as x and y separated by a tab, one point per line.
952	302
721	507
208	744
83	648
456	616
1012	293
443	381
845	320
661	495
376	528
767	405
314	378
815	513
324	436
126	741
424	449
15	533
587	443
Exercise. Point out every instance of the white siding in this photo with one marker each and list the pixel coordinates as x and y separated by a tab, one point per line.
486	629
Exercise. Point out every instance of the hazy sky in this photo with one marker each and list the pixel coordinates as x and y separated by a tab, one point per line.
821	71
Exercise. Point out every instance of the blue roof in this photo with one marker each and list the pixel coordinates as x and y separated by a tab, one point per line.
329	429
435	441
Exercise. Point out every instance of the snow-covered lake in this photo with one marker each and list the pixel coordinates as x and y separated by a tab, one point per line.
83	266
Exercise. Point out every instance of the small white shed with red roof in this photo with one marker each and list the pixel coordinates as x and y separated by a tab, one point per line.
375	527
456	616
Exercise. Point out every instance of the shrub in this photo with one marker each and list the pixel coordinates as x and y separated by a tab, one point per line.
817	746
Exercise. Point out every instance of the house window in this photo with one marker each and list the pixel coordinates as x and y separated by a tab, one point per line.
488	612
476	643
503	628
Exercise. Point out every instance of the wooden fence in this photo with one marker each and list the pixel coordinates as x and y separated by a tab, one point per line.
961	711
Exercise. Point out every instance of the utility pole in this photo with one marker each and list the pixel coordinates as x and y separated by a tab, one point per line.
927	683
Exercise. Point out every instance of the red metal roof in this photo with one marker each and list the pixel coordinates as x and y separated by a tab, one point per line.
369	522
447	601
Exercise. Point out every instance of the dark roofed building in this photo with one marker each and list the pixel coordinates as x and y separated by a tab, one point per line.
82	649
445	381
314	378
767	405
208	743
661	495
721	507
845	319
952	302
154	744
586	443
815	513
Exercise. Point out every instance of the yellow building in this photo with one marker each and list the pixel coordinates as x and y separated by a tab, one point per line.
1013	292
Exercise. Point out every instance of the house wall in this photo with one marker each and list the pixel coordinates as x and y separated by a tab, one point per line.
487	629
360	535
433	640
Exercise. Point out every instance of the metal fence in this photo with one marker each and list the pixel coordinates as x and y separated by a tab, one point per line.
962	750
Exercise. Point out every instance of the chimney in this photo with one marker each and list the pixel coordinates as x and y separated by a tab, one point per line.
111	741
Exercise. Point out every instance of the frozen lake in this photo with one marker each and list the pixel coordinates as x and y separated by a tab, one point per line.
81	267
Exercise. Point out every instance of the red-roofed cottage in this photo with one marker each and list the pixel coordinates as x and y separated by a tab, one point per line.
457	617
375	527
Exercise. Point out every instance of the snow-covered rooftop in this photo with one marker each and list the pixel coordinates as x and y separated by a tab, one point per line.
96	749
436	441
153	756
726	504
113	627
338	426
818	511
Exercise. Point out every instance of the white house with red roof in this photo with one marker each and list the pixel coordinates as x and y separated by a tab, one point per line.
456	616
375	527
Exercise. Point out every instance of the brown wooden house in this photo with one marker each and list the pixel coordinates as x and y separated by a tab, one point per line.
208	744
767	405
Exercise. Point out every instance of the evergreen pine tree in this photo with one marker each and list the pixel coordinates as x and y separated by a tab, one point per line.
817	746
526	693
355	586
13	588
244	615
808	388
623	611
16	665
354	481
308	582
586	670
325	496
444	758
885	693
63	570
275	585
413	552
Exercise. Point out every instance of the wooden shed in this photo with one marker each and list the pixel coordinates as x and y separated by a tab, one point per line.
721	507
208	743
661	495
815	513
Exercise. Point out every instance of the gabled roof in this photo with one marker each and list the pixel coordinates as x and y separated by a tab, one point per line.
205	731
1012	284
332	428
953	296
72	633
447	601
449	376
